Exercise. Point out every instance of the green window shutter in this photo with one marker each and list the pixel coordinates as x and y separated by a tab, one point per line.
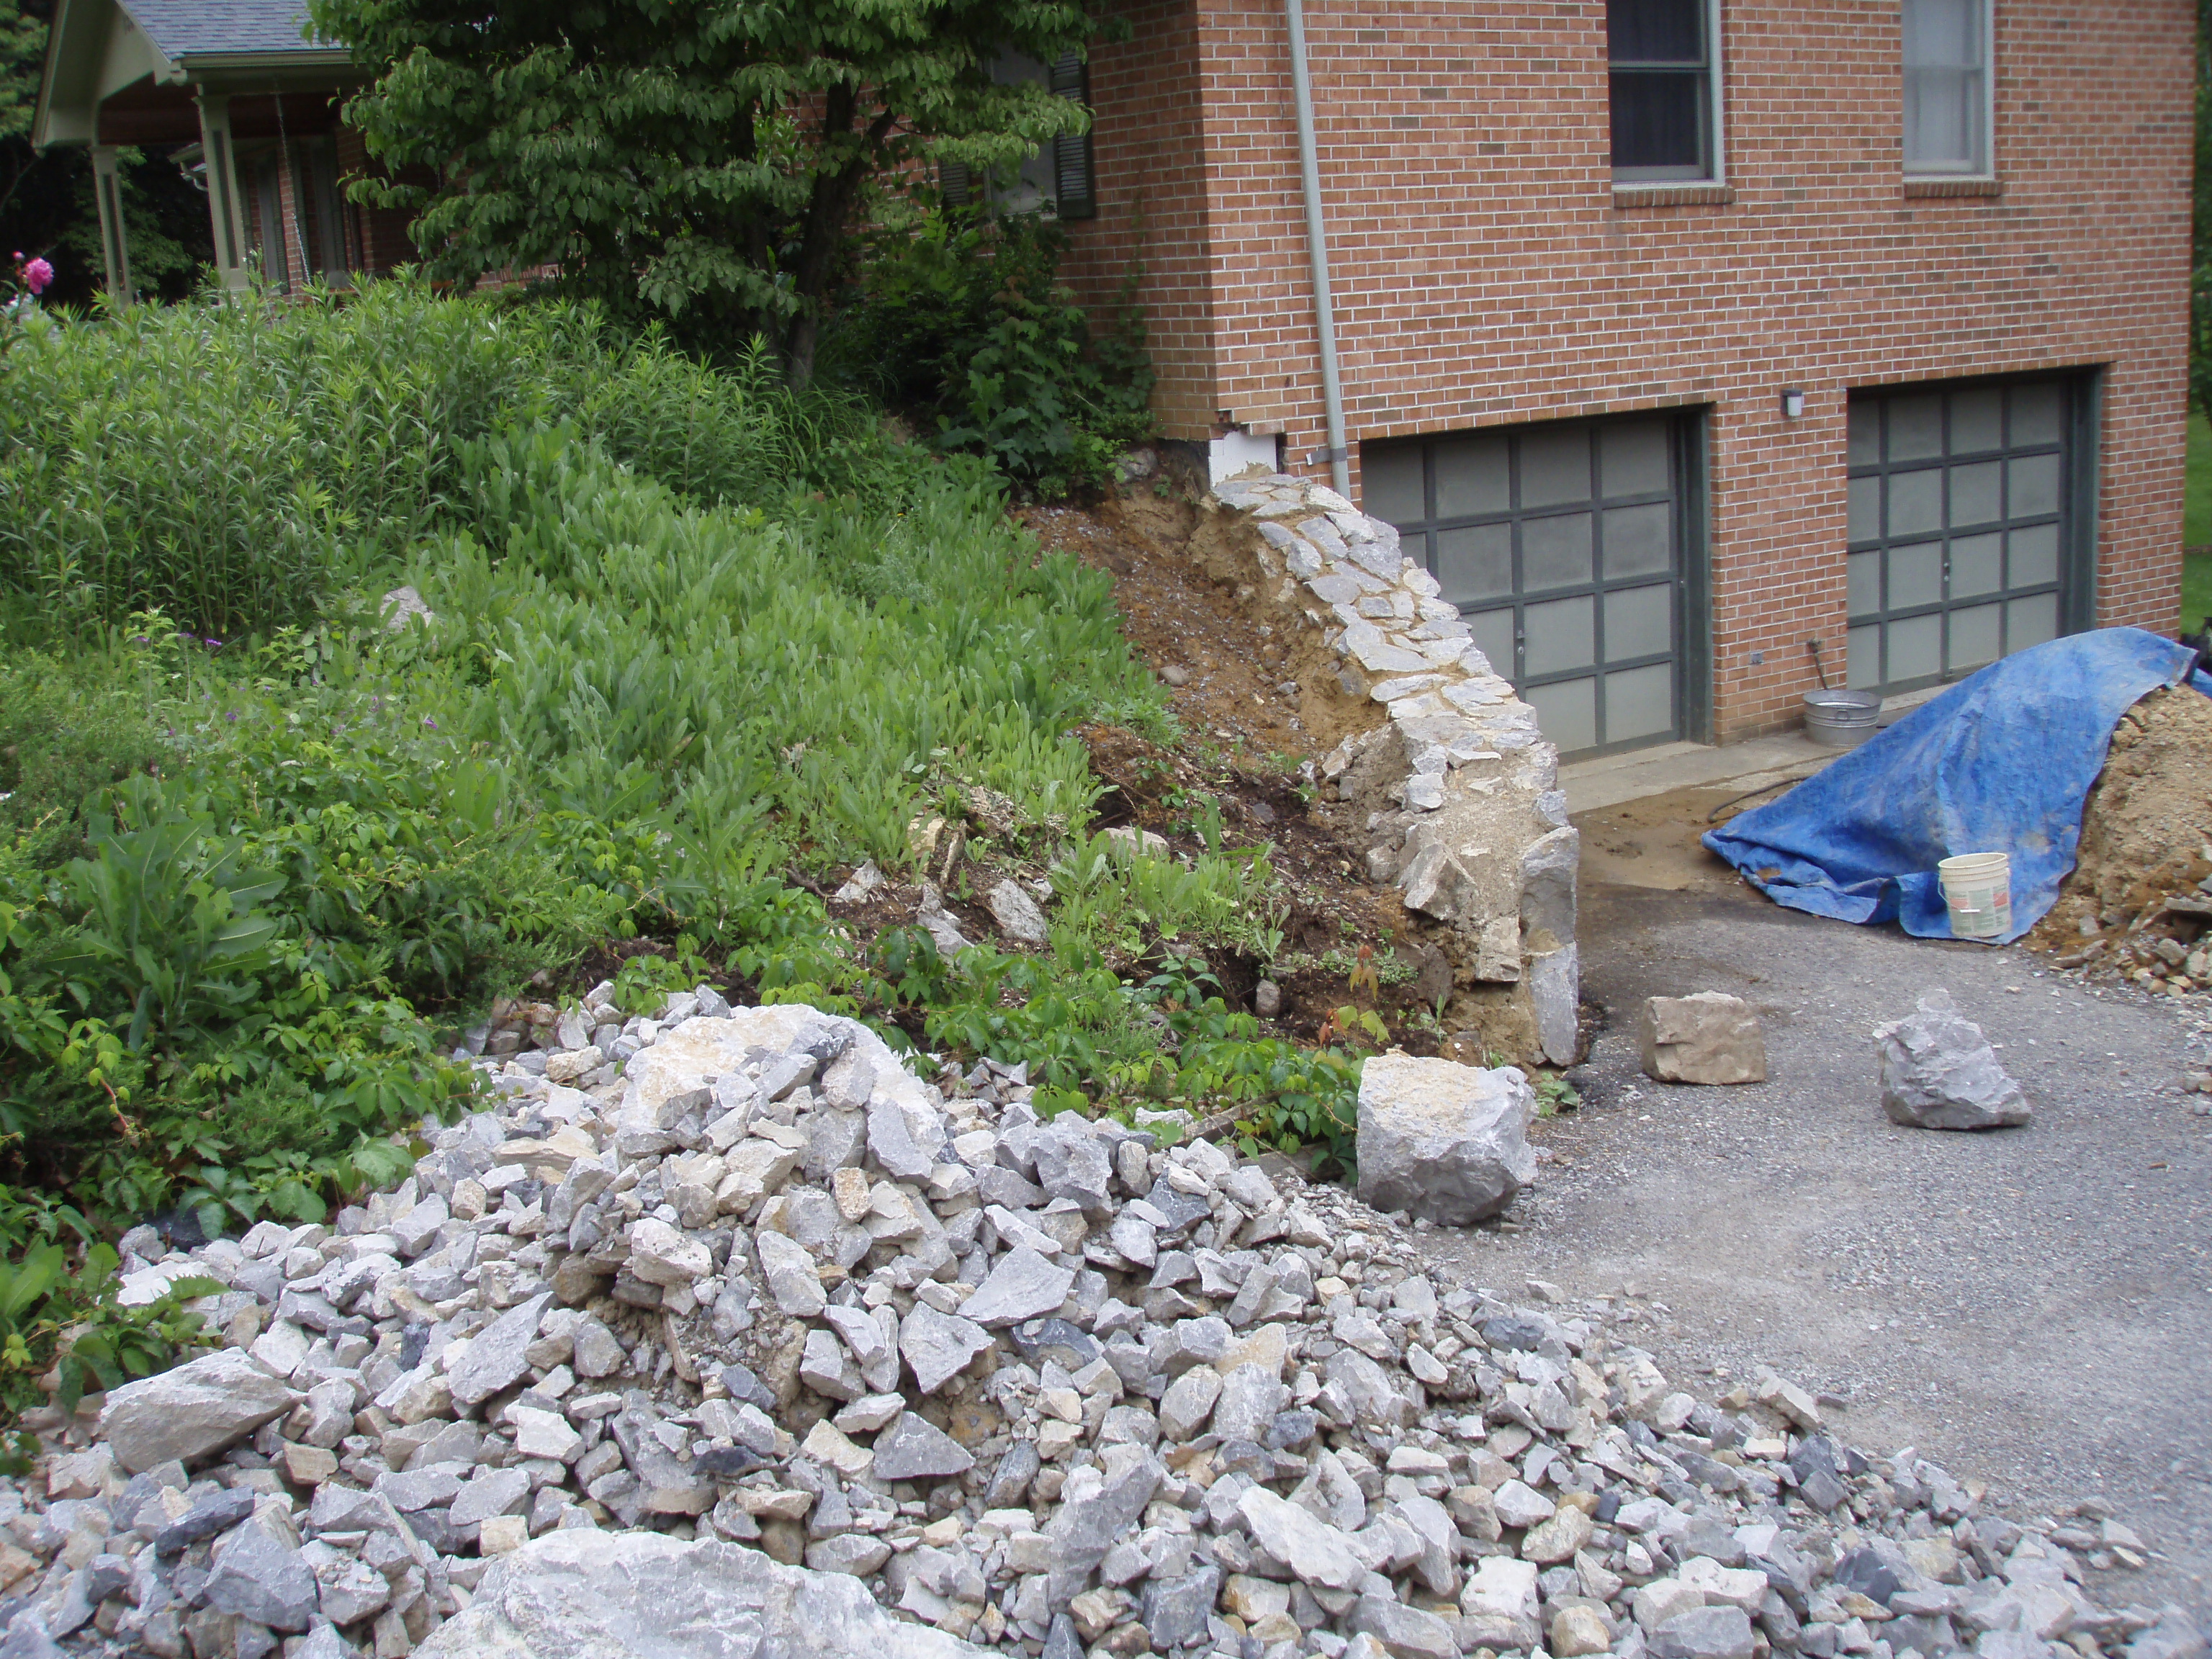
1075	184
958	181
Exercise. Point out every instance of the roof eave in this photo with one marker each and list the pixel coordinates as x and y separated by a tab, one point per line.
198	63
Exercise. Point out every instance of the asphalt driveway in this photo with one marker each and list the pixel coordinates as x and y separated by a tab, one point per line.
2032	1307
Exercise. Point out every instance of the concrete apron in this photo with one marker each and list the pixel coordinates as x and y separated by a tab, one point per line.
1755	763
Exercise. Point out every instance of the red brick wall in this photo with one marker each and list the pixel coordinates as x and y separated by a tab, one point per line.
1150	149
1486	274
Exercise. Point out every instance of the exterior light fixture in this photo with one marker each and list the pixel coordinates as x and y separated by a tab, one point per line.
1792	402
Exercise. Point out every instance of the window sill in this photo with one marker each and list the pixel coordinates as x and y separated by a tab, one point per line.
1657	195
1939	187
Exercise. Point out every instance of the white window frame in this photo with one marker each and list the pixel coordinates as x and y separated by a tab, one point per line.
1987	170
1716	112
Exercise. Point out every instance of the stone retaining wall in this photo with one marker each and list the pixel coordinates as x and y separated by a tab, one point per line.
1444	767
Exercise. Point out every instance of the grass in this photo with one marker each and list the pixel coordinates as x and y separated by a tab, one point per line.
2197	527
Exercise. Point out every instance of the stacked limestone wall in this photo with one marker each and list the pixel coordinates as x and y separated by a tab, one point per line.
1442	767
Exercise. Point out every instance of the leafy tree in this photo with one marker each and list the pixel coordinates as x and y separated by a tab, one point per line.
704	161
46	200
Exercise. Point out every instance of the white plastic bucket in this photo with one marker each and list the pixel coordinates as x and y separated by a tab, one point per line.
1978	892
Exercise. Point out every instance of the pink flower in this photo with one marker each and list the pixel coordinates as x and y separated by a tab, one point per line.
37	275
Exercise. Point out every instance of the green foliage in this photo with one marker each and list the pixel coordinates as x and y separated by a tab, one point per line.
70	725
233	468
701	160
961	318
47	1309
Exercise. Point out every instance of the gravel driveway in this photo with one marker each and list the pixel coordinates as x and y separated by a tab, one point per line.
2032	1307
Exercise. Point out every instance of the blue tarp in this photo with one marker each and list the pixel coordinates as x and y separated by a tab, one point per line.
2001	763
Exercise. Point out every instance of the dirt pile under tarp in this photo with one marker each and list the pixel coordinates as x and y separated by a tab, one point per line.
2133	905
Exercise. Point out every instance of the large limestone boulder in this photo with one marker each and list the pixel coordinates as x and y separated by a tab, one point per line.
1938	1072
583	1594
1707	1036
191	1411
1444	1140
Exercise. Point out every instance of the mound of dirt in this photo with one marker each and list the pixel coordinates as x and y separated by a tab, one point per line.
2133	904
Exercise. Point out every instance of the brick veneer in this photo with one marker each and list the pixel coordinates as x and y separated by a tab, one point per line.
1486	272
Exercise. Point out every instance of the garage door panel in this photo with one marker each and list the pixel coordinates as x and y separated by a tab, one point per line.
2034	553
1976	638
1864	577
2037	413
1491	632
1555	467
1634	457
1559	635
1916	648
1392	485
2031	485
1639	622
1915	503
1474	564
1977	493
1916	428
1976	422
1960	527
1474	476
1916	575
1976	567
1640	702
1556	551
1639	541
1562	545
1567	711
1866	509
2030	621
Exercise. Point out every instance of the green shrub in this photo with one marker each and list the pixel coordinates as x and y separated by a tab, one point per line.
961	318
71	726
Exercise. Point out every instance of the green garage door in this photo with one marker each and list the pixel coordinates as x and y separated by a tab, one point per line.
1964	526
1563	545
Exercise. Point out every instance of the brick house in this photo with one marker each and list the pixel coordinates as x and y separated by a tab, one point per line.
251	104
1677	334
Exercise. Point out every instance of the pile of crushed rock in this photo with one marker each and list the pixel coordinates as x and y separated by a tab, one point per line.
767	1343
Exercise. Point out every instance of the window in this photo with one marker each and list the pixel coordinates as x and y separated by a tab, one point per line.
1947	86
1666	89
1059	179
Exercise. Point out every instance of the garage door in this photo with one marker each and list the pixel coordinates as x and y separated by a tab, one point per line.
1962	516
1563	546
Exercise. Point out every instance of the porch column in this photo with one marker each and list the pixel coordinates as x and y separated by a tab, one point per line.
114	242
226	208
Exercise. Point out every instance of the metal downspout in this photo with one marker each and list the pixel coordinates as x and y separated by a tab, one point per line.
1332	392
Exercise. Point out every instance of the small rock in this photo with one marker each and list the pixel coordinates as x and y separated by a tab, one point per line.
1577	1631
1707	1036
1017	914
862	885
1023	1286
792	1277
1938	1072
914	1449
1704	1633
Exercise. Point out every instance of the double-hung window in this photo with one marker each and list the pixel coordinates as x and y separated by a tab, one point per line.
1664	56
1946	88
1060	178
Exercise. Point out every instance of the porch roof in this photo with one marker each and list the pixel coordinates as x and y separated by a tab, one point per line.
126	71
